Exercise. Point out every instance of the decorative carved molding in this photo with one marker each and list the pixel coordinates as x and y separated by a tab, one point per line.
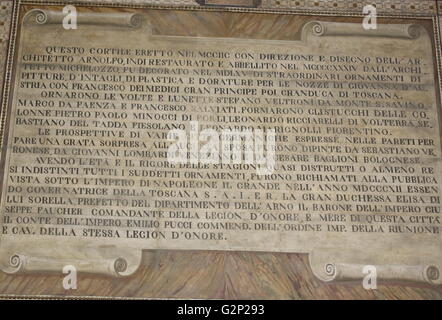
404	31
110	261
391	7
349	265
132	20
231	3
395	7
129	2
347	272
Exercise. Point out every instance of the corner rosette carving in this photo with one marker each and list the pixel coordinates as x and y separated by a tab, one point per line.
16	264
318	28
135	20
119	266
330	270
431	274
414	31
37	16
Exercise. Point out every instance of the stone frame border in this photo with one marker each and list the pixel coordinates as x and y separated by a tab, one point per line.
6	90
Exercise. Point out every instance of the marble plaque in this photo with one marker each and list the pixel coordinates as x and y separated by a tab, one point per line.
128	131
